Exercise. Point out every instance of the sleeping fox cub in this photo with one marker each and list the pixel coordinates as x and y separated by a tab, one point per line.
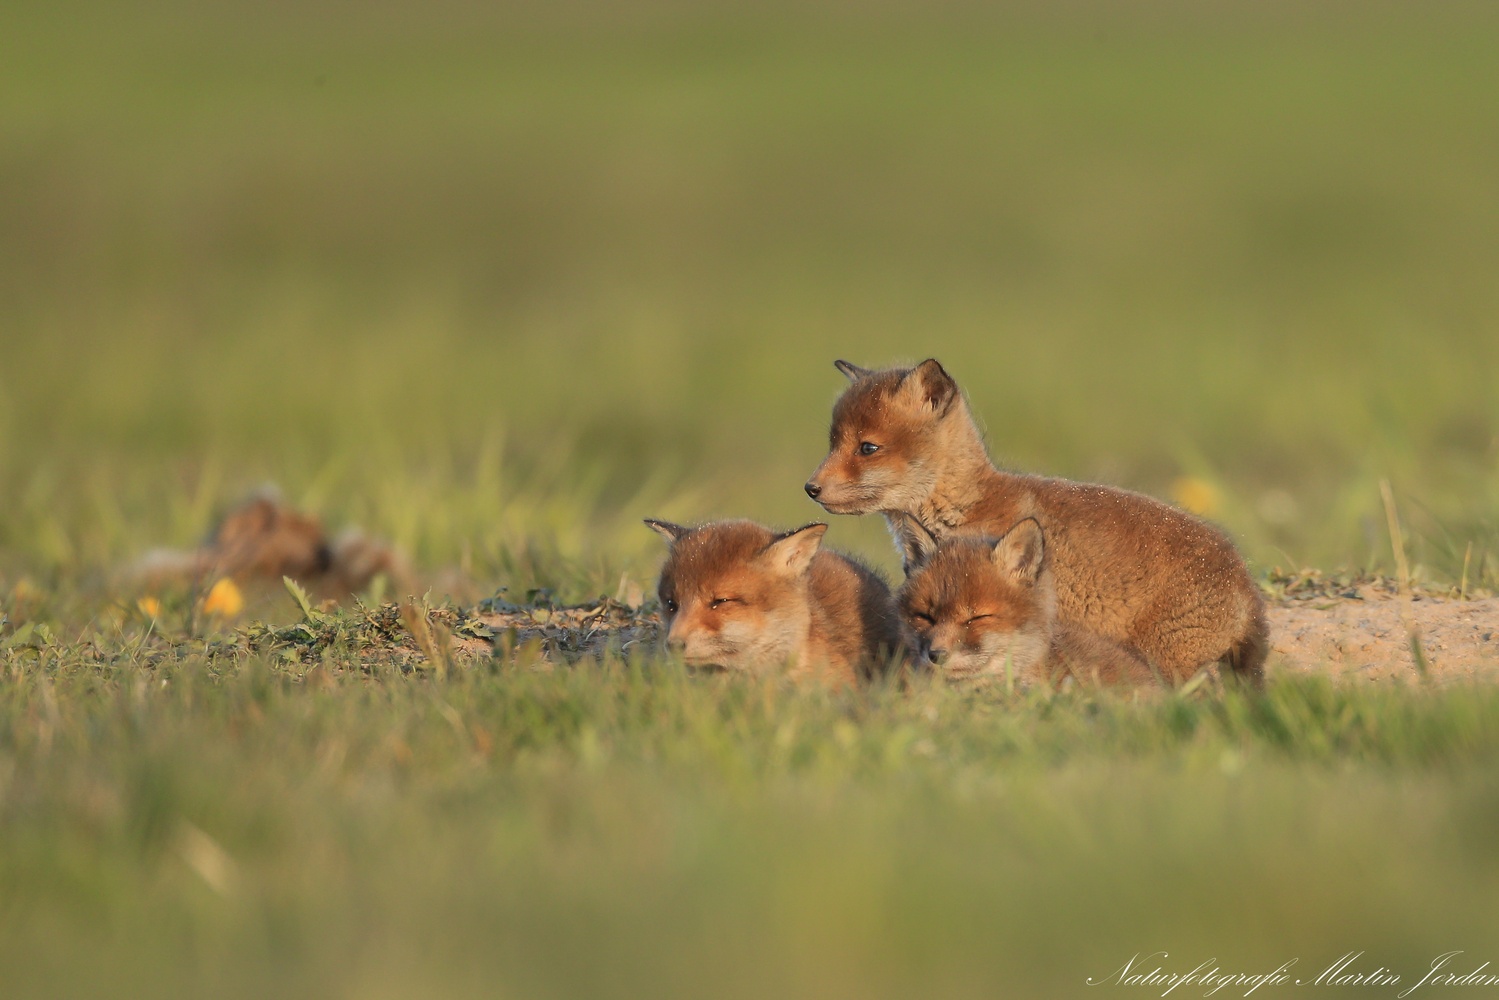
984	607
737	596
1127	566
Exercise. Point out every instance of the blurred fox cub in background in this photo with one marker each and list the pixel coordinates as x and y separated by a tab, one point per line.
264	539
1133	569
737	596
985	607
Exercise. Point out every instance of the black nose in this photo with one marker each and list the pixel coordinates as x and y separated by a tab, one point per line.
813	490
675	645
936	655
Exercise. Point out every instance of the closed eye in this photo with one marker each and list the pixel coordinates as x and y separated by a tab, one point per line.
977	618
720	601
922	619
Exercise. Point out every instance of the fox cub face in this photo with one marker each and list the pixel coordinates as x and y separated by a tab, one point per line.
976	603
886	427
735	595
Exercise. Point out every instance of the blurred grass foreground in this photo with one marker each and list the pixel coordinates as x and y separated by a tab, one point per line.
495	281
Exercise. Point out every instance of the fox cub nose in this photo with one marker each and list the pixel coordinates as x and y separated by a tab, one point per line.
675	644
813	490
935	655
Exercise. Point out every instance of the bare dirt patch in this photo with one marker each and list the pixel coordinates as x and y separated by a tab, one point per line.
1351	629
1371	638
1362	631
569	632
1361	626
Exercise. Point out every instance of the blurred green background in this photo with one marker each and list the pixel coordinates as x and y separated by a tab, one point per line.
488	276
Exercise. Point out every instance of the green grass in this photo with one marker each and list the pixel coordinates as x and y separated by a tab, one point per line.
620	829
496	282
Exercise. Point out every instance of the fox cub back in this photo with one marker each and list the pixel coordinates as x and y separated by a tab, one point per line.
737	596
981	607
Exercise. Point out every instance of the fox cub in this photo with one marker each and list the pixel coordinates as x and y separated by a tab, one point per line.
264	539
737	596
981	607
1126	566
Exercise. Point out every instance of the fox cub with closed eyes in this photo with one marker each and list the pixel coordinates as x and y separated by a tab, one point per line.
1131	568
983	607
738	596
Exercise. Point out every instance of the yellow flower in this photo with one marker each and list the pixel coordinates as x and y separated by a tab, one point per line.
149	606
224	599
24	590
1197	495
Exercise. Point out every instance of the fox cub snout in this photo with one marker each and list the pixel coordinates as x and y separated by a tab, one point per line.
982	607
737	596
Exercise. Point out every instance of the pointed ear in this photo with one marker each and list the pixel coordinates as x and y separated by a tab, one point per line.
791	553
1021	551
853	371
667	530
930	385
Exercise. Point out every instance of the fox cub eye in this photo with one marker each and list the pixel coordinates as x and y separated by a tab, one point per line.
868	448
920	619
721	601
671	606
977	618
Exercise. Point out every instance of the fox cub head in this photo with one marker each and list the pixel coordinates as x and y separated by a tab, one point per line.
888	426
736	595
976	603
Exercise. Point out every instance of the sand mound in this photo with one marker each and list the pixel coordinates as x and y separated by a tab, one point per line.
1372	637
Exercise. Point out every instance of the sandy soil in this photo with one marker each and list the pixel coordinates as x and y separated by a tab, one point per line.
1361	634
1371	638
1363	637
1357	631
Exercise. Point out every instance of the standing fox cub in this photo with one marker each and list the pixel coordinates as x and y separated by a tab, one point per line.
981	607
1131	568
738	596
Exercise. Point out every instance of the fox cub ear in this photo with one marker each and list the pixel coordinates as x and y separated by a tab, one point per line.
791	553
1021	551
929	384
667	530
853	371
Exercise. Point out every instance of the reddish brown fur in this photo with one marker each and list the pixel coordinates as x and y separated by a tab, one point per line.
985	606
1089	658
790	603
1127	566
264	539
